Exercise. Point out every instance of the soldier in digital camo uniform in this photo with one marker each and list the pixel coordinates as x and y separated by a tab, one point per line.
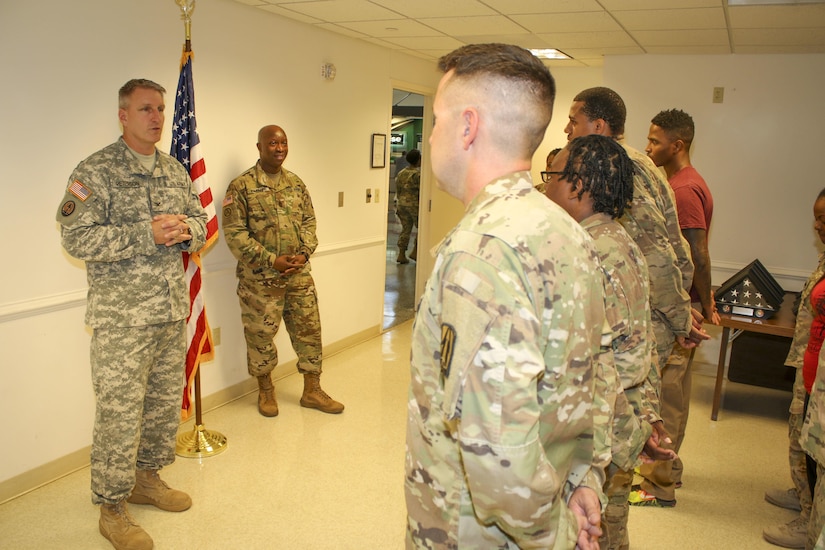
592	179
269	225
500	434
128	211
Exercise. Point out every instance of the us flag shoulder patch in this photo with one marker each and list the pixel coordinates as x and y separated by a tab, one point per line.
79	190
448	337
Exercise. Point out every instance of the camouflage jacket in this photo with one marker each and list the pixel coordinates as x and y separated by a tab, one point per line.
263	219
407	187
627	306
653	223
812	438
503	370
105	219
802	332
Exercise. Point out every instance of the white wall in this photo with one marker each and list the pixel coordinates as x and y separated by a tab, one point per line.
760	150
63	63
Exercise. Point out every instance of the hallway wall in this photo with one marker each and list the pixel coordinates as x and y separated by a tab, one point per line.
64	61
62	67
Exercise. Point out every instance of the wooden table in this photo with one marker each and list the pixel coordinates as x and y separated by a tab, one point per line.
781	324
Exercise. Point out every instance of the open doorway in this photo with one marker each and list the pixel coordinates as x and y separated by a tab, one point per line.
406	134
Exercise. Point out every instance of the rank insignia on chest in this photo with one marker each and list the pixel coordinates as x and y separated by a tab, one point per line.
448	337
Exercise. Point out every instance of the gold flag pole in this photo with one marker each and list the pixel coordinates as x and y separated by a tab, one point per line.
200	442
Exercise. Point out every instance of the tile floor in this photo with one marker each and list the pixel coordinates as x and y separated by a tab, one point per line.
309	481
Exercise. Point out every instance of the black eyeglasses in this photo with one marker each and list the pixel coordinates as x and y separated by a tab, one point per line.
545	176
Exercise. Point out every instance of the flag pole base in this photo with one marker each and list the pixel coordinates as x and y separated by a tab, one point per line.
200	442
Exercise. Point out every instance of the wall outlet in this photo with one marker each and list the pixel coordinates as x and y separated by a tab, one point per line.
718	94
216	336
376	194
340	199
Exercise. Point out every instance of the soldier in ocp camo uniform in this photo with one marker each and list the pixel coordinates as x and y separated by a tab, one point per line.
592	179
799	498
506	341
812	439
128	211
653	224
269	224
408	187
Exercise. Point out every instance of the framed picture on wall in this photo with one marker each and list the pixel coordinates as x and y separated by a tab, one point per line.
378	152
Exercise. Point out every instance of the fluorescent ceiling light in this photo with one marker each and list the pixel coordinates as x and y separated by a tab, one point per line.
549	53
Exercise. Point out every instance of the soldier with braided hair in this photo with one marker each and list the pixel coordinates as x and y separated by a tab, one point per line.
592	179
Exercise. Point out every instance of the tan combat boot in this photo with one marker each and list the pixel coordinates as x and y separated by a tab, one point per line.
414	253
119	528
267	404
788	535
784	498
402	257
151	489
315	398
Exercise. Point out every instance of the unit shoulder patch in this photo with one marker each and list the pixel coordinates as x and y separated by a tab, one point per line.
448	338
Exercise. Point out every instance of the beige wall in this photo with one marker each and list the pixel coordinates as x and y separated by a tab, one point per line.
64	61
62	67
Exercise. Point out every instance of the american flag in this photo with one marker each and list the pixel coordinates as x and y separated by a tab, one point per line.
186	148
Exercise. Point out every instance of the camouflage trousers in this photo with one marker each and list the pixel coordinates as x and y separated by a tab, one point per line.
816	523
409	219
796	456
138	380
264	304
661	476
614	519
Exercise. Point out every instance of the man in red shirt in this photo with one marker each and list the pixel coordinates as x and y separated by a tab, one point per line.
669	141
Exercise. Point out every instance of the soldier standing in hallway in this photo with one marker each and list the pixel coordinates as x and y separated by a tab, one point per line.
408	187
501	446
128	212
269	225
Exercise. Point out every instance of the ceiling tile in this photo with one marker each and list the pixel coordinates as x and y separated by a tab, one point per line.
619	5
289	13
568	22
710	37
779	37
773	49
512	7
436	8
343	10
694	18
391	28
766	17
565	40
484	24
585	29
694	49
446	43
584	53
528	41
